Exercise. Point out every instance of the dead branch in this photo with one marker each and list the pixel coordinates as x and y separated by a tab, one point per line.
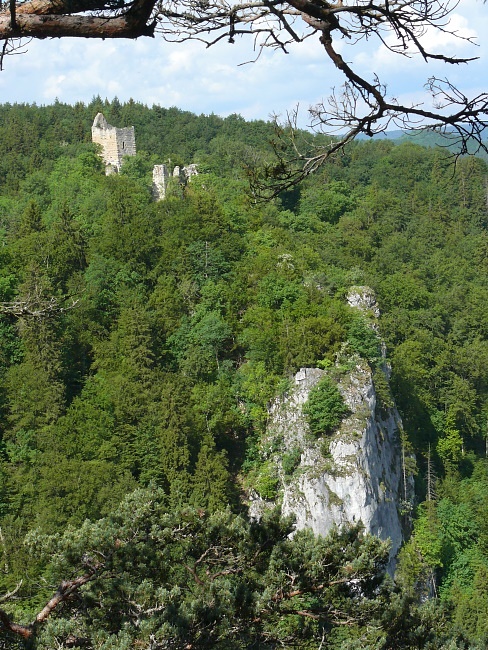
75	26
280	596
58	7
10	594
25	631
90	19
35	307
194	574
63	592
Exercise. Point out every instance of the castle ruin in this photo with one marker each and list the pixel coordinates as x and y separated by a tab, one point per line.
161	175
116	143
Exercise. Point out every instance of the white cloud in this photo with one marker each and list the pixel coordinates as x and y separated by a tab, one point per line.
53	86
454	37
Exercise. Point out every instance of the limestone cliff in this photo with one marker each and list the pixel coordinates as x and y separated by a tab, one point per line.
357	473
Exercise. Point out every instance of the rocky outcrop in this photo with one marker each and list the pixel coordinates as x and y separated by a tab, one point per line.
354	474
364	299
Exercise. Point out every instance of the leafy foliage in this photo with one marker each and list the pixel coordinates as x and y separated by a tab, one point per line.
325	407
171	577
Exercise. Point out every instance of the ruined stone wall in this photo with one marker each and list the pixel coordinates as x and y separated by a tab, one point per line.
116	143
160	180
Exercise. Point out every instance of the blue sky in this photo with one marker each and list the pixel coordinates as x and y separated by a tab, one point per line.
202	80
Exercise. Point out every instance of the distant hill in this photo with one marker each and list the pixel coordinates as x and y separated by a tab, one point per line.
426	138
387	135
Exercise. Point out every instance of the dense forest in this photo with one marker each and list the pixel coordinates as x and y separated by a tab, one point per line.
141	343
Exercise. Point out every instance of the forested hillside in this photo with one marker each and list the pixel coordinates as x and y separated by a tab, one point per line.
142	342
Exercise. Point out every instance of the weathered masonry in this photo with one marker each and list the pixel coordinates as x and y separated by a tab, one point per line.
161	177
116	143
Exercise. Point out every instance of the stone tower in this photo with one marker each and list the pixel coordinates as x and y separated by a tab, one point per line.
116	143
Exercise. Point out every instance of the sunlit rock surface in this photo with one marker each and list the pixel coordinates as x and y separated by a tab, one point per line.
356	473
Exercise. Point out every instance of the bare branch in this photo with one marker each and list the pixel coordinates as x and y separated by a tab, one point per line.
74	26
37	307
64	591
363	107
10	594
91	19
61	7
24	631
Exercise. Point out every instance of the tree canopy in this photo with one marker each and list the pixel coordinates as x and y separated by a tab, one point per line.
141	343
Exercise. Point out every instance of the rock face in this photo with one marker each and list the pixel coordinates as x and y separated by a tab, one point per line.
356	473
360	477
364	299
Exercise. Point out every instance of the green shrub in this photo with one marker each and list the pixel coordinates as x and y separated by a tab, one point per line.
364	340
291	460
325	449
325	407
384	399
266	482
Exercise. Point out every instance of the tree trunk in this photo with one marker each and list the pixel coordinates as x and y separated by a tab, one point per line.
76	26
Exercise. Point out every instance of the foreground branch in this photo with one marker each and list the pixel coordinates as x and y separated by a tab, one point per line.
66	589
363	108
75	26
62	18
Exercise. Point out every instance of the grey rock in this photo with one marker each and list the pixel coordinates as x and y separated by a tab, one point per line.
353	475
